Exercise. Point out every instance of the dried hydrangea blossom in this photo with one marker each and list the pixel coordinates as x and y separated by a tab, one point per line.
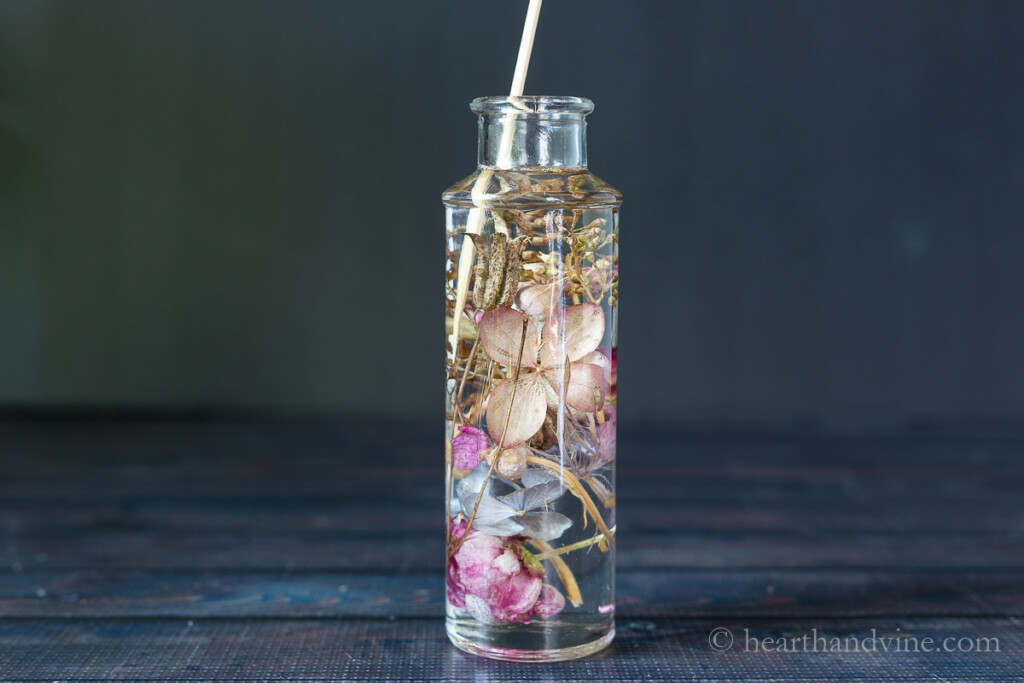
563	362
518	512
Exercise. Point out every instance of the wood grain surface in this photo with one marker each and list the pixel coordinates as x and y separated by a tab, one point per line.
235	550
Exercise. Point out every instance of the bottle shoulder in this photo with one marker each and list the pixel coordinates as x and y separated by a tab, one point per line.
525	187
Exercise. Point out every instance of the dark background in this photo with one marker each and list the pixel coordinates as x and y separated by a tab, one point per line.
236	205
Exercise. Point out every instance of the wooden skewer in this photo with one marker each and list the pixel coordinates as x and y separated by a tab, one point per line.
477	215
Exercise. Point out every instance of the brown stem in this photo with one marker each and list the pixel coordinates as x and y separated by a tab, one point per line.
465	375
606	497
565	575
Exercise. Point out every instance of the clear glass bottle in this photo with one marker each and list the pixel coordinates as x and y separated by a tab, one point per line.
532	281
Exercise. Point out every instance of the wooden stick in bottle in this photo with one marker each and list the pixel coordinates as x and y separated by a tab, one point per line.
478	215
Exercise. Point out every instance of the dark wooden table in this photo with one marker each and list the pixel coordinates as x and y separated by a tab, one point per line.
198	550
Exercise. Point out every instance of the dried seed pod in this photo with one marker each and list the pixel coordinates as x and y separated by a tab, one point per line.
576	185
519	219
512	463
496	269
563	220
537	218
514	257
479	287
480	271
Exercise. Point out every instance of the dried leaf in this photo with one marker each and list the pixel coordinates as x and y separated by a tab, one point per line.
510	279
496	267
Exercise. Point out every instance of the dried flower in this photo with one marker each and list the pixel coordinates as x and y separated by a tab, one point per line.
467	447
565	363
518	513
498	582
606	438
550	602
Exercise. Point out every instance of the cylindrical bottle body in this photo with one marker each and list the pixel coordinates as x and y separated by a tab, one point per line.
531	307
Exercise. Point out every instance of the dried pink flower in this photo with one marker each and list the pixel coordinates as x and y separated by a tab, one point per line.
496	582
606	437
550	602
467	447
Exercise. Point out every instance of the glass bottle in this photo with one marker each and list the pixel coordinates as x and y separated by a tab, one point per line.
532	281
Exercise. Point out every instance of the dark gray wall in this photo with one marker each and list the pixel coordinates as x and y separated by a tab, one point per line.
236	204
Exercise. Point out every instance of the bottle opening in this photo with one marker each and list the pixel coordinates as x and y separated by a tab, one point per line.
545	105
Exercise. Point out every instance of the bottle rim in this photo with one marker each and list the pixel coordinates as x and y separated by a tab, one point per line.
526	105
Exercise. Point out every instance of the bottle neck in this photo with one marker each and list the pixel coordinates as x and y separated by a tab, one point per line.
511	140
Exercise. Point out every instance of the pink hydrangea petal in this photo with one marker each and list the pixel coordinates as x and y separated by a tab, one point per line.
467	447
528	410
580	329
585	390
456	591
475	556
606	441
507	563
501	333
606	436
601	359
458	527
540	301
549	603
514	600
597	278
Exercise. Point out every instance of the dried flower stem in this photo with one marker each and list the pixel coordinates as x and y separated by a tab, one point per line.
551	553
606	497
565	575
465	375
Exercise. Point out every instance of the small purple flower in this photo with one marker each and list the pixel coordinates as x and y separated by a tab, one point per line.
467	447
